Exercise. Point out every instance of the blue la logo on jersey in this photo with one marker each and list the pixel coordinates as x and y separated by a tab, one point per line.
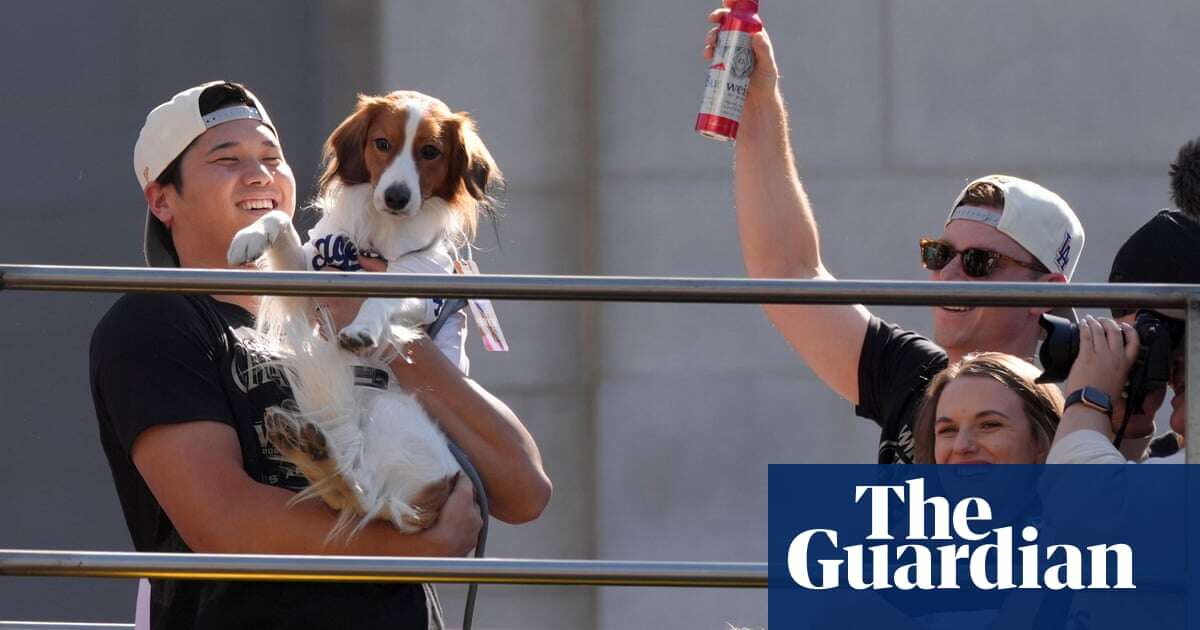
335	250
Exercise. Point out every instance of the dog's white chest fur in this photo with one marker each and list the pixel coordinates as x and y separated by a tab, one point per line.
349	210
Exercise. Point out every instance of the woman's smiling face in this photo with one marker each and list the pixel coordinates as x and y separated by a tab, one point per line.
981	421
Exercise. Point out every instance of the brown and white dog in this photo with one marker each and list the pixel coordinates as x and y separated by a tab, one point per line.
406	179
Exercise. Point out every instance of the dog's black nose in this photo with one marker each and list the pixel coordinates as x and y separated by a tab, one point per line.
396	196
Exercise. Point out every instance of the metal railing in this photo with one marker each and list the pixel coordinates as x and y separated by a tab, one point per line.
191	566
626	289
591	288
53	625
579	288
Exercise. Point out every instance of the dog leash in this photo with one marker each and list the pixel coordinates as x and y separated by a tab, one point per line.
481	497
449	308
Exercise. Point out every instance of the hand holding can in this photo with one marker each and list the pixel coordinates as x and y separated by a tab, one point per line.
729	72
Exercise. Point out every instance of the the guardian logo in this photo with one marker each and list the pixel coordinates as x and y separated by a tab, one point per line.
994	564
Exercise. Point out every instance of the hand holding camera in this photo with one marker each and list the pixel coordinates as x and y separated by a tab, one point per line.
1107	352
1153	338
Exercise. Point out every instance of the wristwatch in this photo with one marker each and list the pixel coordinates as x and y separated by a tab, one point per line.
1093	398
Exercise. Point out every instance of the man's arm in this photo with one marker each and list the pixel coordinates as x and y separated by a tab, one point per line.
492	436
499	446
195	471
779	235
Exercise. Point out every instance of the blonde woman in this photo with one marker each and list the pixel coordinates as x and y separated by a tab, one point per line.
987	409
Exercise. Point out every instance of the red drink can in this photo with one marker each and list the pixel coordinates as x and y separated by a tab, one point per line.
729	74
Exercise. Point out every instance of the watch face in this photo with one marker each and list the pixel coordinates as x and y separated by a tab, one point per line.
1096	398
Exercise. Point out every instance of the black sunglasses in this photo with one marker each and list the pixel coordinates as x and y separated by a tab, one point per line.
976	262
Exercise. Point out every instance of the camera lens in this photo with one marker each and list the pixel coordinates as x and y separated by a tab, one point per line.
1059	349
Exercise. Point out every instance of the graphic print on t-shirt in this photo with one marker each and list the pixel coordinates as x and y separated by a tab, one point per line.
899	450
255	371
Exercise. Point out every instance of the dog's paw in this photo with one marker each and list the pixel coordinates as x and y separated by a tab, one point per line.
251	242
411	312
313	443
248	246
280	432
359	336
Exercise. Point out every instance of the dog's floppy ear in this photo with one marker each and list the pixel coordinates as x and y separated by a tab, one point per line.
472	163
343	153
471	174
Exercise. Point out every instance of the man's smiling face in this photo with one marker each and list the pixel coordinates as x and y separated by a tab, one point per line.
231	175
983	328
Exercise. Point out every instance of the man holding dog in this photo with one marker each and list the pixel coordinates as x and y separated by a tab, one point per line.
999	228
180	404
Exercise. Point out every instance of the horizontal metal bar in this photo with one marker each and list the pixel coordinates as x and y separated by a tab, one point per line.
187	566
61	625
592	288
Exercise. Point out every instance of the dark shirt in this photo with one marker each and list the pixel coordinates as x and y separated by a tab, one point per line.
894	369
168	359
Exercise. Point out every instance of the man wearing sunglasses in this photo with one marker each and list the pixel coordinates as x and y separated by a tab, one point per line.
999	228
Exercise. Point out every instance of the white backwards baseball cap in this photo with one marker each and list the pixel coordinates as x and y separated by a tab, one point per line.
1036	218
169	130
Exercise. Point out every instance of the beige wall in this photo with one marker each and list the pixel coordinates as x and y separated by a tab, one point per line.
670	413
523	71
656	421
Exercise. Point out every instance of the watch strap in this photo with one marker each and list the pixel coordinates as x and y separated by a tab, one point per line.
1092	398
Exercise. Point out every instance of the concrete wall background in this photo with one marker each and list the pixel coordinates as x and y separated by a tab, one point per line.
75	85
656	421
894	107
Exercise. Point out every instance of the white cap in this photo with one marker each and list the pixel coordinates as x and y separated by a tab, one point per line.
170	129
1036	218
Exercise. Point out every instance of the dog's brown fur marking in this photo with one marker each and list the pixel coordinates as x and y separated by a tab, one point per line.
429	501
321	471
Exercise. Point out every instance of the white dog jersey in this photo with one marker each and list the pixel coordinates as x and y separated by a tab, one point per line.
339	251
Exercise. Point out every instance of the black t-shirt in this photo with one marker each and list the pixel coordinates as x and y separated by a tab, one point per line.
165	359
895	367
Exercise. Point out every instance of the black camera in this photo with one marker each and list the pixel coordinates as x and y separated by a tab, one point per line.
1159	336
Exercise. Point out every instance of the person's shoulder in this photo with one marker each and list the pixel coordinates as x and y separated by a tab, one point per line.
893	338
145	315
883	327
140	307
1084	446
152	303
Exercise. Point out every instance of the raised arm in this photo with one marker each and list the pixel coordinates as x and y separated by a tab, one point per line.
778	233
